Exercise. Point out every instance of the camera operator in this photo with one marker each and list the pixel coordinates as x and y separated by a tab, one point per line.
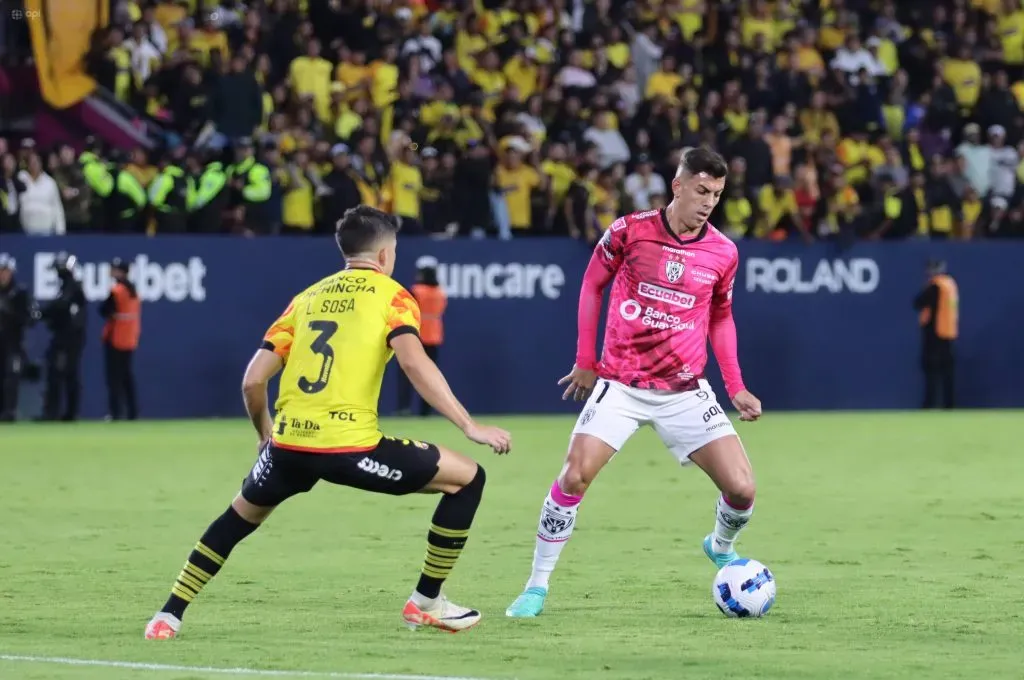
15	317
66	318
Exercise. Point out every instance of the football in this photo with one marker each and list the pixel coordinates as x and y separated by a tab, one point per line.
744	589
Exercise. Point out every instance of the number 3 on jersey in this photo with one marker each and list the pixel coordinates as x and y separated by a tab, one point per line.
320	346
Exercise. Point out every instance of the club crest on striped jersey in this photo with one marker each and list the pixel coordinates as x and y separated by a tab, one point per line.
674	270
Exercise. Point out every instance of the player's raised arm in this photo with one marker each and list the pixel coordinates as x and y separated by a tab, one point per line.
605	261
722	334
428	380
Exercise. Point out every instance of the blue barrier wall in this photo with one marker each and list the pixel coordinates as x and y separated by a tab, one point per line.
818	328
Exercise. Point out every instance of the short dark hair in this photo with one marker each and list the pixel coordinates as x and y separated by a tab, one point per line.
703	159
428	275
360	228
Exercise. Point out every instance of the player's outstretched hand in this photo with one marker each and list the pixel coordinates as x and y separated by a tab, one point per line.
748	405
580	384
495	437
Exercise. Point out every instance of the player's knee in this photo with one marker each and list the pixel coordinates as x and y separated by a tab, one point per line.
587	456
254	514
475	486
740	491
575	478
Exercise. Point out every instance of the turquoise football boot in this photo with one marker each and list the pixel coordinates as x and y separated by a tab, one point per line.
529	604
720	559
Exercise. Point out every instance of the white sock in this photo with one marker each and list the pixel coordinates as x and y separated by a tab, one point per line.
557	520
729	521
422	601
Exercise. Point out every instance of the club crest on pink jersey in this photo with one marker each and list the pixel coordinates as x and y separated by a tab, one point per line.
661	301
674	270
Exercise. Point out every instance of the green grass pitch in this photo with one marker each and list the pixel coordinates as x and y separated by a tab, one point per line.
896	540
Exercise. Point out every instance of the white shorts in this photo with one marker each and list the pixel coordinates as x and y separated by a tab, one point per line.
685	421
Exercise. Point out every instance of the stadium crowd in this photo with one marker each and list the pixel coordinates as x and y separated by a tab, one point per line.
873	119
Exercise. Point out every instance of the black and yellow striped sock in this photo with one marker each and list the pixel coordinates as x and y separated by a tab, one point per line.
448	534
443	549
207	558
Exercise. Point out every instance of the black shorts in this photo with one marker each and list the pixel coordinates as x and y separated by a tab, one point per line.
394	466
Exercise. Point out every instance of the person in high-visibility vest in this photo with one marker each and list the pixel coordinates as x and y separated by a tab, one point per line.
938	307
126	195
123	312
209	199
99	177
432	301
169	193
251	187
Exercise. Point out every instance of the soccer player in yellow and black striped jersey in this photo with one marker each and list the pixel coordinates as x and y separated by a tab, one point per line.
333	342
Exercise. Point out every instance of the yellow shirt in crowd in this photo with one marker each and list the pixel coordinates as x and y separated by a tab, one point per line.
297	203
1011	34
312	76
385	84
964	76
516	185
561	175
205	42
751	27
523	75
405	185
663	84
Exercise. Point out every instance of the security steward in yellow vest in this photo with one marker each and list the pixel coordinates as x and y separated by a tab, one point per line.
209	199
168	194
251	187
122	311
938	308
127	200
97	174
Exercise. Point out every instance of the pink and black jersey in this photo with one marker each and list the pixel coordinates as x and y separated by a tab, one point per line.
669	296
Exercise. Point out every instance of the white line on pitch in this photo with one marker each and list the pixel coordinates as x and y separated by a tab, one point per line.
134	665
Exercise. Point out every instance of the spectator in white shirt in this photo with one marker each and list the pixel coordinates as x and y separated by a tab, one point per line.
978	158
1003	165
574	75
42	213
887	26
853	56
627	91
157	34
533	118
646	51
644	183
611	146
145	56
425	46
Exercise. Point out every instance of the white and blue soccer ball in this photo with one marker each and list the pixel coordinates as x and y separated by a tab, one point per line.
744	589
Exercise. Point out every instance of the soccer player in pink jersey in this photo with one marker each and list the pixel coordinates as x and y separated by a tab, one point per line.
672	277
